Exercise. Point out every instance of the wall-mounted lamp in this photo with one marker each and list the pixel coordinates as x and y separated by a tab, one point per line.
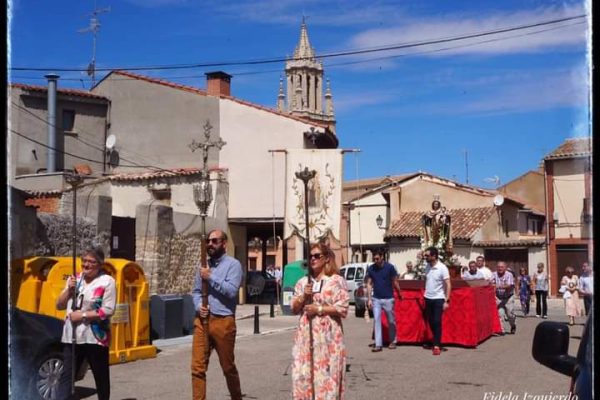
379	222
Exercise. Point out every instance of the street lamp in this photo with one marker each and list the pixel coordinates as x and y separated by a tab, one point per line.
379	222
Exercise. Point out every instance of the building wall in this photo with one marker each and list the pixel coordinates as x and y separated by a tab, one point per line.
256	176
363	228
89	127
536	255
529	187
417	195
154	124
569	192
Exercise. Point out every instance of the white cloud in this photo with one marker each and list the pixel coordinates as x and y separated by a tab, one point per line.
419	30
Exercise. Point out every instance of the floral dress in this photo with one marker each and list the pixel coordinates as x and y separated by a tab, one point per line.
329	364
525	292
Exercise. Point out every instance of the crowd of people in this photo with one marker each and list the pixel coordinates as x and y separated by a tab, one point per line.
321	301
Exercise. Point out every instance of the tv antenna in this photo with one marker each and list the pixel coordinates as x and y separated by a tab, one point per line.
495	179
94	27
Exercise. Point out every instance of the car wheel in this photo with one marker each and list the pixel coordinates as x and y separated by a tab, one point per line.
45	380
359	312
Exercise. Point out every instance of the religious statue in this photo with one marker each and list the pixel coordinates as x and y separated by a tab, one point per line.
436	229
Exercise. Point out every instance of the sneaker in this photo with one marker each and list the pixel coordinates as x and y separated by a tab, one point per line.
376	349
545	316
436	351
537	315
392	346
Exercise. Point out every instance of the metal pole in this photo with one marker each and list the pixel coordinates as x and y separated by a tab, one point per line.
306	176
74	180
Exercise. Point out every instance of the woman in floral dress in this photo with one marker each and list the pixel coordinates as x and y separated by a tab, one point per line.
329	305
524	287
570	283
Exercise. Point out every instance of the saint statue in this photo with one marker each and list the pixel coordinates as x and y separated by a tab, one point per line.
436	228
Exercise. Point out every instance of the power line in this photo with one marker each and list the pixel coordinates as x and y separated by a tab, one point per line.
323	56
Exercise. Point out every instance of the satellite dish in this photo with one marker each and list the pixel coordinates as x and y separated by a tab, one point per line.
111	140
498	200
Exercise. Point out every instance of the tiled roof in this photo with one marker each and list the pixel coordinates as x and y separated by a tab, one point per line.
195	90
465	223
67	92
510	243
350	192
141	176
575	147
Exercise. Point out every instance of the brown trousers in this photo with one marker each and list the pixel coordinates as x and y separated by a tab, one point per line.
221	334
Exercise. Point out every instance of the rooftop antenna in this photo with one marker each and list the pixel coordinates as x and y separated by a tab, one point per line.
94	27
467	164
495	179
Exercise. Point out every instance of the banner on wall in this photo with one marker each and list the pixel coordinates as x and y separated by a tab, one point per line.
324	193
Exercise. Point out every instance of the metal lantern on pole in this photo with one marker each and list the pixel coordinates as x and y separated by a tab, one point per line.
305	176
74	179
203	197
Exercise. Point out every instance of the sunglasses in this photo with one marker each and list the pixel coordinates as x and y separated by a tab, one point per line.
316	256
214	240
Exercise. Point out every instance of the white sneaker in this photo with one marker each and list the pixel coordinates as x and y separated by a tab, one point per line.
537	315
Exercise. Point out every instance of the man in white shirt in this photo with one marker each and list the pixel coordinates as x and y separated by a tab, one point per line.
473	272
485	271
437	294
586	286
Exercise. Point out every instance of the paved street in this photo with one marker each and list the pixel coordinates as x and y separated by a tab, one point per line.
500	364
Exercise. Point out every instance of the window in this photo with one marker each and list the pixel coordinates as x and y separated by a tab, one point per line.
68	120
350	273
534	226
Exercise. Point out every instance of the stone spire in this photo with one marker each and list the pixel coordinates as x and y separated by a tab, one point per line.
304	50
304	84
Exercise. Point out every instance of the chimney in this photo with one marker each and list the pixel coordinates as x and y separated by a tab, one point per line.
52	82
218	83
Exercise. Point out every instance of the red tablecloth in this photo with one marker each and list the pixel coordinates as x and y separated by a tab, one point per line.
471	317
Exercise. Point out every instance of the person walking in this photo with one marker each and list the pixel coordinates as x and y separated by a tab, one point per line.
540	286
381	281
586	282
224	276
321	364
524	289
505	290
96	296
570	289
437	295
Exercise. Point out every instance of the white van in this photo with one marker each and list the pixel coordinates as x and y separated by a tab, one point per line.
354	274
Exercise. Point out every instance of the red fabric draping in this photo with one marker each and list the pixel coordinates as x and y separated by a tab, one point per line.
471	317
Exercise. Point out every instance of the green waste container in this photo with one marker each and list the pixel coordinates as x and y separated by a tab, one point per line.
292	273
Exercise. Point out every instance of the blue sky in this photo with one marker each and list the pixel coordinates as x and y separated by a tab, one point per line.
505	99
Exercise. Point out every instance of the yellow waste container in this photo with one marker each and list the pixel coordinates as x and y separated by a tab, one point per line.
130	328
28	276
36	283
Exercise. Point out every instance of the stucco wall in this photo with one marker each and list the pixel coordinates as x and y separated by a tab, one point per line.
154	124
363	227
418	196
89	124
569	191
536	255
255	175
528	187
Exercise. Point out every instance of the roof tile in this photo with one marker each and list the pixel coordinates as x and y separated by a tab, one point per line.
465	223
68	92
574	147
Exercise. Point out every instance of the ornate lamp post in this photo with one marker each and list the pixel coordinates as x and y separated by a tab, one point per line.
305	176
203	197
74	179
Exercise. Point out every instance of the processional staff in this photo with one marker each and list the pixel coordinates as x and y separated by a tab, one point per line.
306	175
203	198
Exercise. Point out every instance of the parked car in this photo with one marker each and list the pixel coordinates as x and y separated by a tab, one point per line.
261	287
36	360
550	348
360	301
354	274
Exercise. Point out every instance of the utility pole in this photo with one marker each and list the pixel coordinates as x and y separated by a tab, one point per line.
94	27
